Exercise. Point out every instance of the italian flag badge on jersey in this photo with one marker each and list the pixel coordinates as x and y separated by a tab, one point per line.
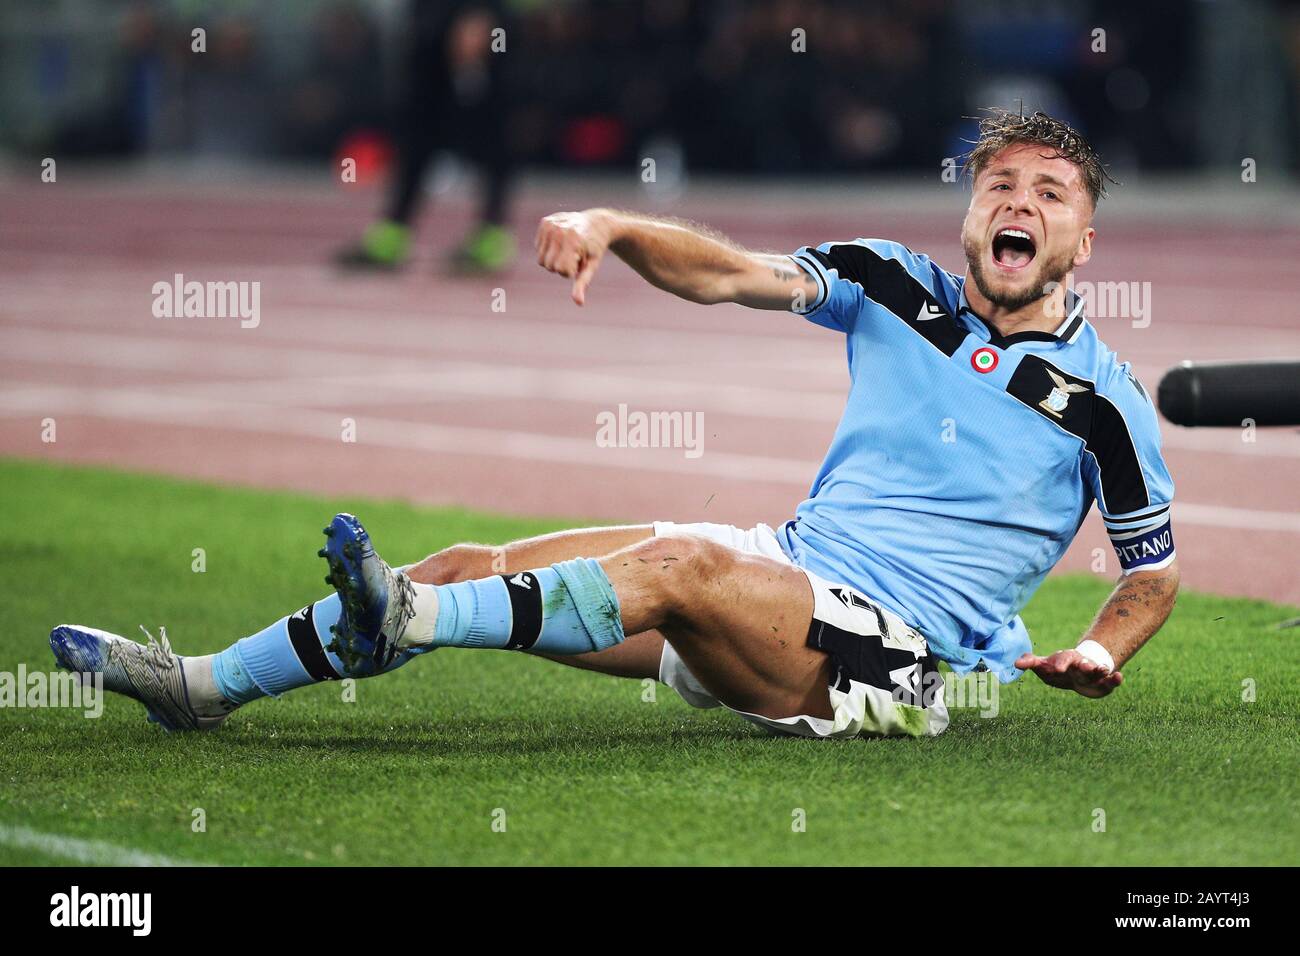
984	360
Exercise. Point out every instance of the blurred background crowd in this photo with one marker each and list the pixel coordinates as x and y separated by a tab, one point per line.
726	85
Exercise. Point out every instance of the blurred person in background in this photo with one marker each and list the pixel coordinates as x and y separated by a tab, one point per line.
137	88
453	98
340	91
226	91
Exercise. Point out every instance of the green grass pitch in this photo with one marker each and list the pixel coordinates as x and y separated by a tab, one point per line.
587	772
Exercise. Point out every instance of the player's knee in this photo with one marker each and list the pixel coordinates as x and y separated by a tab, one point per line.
685	565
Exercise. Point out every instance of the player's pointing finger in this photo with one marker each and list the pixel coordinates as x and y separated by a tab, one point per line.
586	273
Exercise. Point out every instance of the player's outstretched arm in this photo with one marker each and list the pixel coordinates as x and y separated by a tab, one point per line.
679	257
1134	611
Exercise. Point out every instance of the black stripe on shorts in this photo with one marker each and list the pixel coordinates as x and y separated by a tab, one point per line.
867	660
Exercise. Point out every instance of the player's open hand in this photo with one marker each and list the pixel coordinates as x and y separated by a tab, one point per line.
572	244
1072	671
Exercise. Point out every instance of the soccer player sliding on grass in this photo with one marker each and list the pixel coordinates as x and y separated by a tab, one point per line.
983	420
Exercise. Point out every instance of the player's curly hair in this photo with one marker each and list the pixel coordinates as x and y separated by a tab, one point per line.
1002	128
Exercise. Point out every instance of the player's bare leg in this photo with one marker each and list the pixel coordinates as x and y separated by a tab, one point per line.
738	621
464	562
637	657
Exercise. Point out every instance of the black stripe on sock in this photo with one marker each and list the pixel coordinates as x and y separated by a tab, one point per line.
302	635
525	610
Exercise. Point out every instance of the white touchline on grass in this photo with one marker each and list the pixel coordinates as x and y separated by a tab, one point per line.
93	852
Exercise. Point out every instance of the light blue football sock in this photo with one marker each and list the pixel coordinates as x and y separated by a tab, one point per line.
568	608
290	653
231	680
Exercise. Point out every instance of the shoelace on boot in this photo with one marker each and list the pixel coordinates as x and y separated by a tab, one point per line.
158	650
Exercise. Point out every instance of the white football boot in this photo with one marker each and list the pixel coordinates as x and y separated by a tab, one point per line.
150	673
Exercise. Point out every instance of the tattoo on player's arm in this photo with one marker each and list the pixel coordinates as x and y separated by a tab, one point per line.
1135	610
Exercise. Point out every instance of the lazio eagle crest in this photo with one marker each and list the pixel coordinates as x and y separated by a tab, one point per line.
1054	404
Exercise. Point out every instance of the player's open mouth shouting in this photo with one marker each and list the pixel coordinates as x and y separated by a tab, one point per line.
1013	247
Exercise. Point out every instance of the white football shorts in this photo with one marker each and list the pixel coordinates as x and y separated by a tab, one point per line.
884	681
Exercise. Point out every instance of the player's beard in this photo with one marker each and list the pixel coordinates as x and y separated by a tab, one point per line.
1051	273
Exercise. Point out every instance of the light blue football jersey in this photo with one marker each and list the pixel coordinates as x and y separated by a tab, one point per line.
965	462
